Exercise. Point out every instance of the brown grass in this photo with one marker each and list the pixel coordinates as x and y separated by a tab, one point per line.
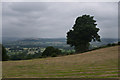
89	64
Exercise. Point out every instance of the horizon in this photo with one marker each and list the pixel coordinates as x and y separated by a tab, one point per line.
48	37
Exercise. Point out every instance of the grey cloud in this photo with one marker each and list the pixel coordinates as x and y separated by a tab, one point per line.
28	7
50	19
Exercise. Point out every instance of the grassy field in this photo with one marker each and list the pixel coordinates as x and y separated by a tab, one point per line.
101	63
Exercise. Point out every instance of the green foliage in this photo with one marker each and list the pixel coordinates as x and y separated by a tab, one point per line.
24	56
113	44
83	32
18	56
51	51
54	55
5	57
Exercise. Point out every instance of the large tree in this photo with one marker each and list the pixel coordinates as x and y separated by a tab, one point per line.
83	32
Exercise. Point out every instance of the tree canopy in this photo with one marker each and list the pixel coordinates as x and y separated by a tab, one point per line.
83	31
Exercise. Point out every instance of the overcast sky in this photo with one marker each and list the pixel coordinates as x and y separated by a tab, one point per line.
55	19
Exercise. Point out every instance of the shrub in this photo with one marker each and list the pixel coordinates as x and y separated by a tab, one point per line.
54	55
109	44
51	51
119	43
5	57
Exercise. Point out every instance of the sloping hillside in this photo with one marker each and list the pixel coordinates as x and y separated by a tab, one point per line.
101	63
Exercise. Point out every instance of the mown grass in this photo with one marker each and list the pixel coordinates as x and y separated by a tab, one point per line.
102	63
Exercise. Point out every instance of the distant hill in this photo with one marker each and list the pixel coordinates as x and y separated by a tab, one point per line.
45	39
44	42
101	63
9	39
38	42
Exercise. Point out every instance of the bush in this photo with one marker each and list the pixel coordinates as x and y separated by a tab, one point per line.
109	44
113	44
5	57
54	55
119	43
51	51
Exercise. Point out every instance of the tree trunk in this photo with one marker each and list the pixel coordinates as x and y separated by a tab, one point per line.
81	48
